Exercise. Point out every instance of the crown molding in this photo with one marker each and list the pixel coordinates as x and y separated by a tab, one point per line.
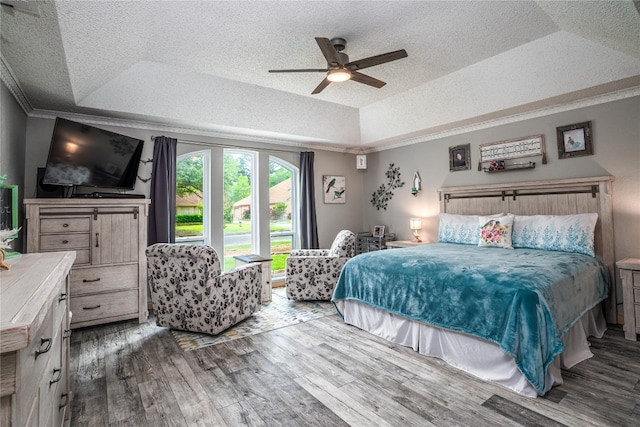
11	82
301	144
528	115
298	145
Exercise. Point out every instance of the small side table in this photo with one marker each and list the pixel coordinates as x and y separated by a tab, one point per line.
630	275
266	271
404	244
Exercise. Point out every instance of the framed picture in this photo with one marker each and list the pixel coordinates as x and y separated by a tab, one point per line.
378	231
334	189
8	206
574	140
361	161
460	157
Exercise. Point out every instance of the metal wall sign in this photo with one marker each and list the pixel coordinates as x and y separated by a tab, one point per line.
528	146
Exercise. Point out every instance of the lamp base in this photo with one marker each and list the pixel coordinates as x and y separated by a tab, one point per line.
416	236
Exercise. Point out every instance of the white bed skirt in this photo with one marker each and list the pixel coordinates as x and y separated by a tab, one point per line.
476	356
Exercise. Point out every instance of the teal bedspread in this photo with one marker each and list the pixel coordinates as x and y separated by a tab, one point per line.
524	300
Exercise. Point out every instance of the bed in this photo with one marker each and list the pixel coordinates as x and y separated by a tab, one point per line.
514	317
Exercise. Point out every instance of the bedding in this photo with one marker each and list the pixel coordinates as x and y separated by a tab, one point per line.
523	300
567	233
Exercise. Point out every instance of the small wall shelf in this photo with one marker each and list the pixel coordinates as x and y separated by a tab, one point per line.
519	166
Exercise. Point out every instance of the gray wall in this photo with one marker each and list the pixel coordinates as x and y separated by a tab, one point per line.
331	217
616	139
13	122
616	142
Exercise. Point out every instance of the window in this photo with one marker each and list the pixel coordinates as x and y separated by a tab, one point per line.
283	206
226	215
240	220
192	207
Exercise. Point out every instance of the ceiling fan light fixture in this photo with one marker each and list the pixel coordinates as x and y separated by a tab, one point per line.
338	75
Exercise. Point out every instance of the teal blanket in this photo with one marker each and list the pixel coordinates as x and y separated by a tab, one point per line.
524	300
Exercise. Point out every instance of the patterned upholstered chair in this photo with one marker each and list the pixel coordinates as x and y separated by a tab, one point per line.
189	292
313	273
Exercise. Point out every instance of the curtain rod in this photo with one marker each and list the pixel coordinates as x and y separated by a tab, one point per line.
215	144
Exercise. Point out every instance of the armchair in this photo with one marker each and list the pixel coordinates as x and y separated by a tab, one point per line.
189	291
311	274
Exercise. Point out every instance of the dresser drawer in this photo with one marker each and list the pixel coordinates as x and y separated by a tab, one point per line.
54	377
64	242
33	361
101	279
89	308
65	225
636	295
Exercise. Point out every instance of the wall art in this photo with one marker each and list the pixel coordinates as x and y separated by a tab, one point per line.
574	140
334	189
384	193
460	157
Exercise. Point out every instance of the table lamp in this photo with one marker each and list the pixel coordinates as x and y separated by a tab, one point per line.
416	225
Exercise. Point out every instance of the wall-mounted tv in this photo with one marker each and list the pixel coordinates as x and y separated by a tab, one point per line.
83	155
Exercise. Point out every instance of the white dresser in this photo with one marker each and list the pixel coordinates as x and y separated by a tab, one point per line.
34	340
109	236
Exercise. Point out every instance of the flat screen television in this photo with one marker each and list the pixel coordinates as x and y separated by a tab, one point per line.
83	155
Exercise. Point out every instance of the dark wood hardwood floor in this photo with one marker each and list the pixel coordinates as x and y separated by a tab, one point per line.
325	373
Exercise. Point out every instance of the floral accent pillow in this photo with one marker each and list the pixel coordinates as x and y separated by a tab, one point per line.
496	231
462	229
566	233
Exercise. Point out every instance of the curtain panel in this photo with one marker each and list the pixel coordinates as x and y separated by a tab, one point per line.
162	213
308	224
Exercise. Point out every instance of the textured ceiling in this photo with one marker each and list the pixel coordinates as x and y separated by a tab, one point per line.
203	64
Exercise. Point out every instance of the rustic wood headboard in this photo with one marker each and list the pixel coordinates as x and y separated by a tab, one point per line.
552	197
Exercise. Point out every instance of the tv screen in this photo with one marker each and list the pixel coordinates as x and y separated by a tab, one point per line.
85	155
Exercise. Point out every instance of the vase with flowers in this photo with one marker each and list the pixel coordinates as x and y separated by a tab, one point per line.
6	237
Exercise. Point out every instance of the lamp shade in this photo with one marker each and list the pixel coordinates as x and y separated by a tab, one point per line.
416	223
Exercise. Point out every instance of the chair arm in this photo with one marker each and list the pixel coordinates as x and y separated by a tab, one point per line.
313	278
249	276
309	252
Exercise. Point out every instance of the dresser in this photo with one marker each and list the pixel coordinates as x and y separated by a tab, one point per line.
368	243
630	276
34	340
109	236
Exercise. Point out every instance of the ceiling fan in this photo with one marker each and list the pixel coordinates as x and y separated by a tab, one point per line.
339	69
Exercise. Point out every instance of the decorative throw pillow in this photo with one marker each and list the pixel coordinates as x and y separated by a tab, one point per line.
462	229
496	231
566	233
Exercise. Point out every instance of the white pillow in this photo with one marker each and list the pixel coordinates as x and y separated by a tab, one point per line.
566	233
496	231
464	229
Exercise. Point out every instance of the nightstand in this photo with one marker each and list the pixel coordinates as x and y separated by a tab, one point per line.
266	271
404	244
630	276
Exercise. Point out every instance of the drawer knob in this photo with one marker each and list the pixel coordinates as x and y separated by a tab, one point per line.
65	225
90	280
91	308
65	242
49	342
55	379
64	397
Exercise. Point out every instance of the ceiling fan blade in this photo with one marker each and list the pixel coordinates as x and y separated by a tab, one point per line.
367	80
330	53
321	86
301	70
376	60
